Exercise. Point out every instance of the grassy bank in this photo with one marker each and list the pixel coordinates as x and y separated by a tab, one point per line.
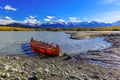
7	28
11	28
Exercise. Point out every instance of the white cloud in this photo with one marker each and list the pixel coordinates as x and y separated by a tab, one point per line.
108	17
50	17
32	17
6	20
109	1
31	20
61	20
73	19
8	7
85	18
47	20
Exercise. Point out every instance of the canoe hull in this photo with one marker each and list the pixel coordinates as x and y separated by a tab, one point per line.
44	49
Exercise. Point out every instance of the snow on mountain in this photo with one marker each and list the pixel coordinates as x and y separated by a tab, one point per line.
117	23
63	24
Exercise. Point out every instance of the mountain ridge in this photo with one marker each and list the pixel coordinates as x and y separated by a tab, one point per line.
83	24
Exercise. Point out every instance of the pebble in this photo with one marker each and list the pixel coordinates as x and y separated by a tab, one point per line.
94	76
67	58
53	74
79	67
74	77
8	57
53	61
52	65
6	66
59	68
17	78
66	73
34	73
40	69
5	75
85	79
17	58
8	74
24	79
46	70
32	78
12	70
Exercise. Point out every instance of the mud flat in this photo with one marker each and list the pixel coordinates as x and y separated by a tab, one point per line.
65	67
88	34
110	57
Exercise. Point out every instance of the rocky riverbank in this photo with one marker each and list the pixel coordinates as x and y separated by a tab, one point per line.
15	67
110	57
65	67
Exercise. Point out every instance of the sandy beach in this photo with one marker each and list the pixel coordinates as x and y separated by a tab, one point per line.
66	67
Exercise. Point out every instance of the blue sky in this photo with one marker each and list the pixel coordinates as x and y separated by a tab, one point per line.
37	11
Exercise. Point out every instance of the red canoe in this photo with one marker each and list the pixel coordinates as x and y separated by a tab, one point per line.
44	49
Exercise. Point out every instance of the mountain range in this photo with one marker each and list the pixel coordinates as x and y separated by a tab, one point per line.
66	25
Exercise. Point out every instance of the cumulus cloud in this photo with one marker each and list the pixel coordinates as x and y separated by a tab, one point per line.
47	20
32	17
8	7
6	20
31	20
73	19
61	20
50	17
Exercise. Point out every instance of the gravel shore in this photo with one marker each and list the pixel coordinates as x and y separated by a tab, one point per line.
15	67
65	67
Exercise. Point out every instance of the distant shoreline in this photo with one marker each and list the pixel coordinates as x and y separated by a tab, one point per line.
12	28
88	34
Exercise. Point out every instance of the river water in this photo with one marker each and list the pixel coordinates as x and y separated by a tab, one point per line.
10	41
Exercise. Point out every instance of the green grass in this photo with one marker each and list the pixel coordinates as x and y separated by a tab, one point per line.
10	28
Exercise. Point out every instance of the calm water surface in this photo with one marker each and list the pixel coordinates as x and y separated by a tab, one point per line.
10	42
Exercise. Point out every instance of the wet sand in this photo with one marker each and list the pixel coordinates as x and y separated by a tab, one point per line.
65	67
88	34
110	57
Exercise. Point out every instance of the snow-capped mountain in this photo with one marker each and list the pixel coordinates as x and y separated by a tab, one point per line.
117	23
76	24
65	24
